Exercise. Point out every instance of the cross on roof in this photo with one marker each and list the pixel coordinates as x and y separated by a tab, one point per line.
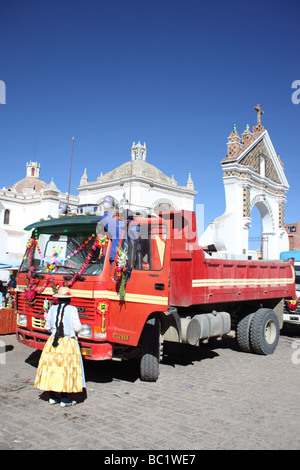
259	113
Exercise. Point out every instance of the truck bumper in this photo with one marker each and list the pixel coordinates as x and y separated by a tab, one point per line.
292	318
94	351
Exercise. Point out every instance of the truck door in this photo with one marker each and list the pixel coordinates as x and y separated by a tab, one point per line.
150	264
147	248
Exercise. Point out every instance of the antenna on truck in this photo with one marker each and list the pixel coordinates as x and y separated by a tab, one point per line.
68	200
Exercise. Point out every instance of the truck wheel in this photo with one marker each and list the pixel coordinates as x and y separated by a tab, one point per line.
243	333
149	366
264	331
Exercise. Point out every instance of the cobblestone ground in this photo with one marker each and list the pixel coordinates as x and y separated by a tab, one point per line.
212	397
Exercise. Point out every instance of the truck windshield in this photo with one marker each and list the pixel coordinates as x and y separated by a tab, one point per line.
60	253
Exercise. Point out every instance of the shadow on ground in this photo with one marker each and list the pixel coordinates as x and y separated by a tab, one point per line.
173	354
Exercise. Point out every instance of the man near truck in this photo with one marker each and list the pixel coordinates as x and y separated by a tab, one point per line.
115	226
112	225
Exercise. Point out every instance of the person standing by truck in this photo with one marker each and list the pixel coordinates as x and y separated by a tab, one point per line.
112	225
60	370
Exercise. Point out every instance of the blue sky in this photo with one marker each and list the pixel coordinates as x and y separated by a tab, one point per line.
176	74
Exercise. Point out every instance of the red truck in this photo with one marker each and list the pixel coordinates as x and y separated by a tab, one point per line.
160	286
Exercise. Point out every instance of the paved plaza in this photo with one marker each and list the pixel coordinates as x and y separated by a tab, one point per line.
212	397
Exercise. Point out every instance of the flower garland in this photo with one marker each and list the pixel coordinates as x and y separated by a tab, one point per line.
71	254
100	241
32	289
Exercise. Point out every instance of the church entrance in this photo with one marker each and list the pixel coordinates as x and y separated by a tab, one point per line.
255	190
259	232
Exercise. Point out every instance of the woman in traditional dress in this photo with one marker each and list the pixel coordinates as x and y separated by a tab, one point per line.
60	370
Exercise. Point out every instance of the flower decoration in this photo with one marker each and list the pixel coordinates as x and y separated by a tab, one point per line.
122	272
84	265
102	240
80	247
32	289
30	295
55	262
46	306
103	306
30	242
36	237
292	304
122	256
118	273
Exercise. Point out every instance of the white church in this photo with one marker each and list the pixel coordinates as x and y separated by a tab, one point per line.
138	185
24	202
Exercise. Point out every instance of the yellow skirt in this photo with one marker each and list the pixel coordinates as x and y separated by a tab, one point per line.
60	369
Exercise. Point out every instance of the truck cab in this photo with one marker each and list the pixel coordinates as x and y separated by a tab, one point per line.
115	299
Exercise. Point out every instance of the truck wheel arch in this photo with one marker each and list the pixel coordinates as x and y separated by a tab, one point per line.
170	322
171	325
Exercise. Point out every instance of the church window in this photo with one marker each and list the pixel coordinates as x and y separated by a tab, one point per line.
262	165
6	216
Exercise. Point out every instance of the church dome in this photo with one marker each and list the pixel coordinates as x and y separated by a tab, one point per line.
31	183
137	168
28	185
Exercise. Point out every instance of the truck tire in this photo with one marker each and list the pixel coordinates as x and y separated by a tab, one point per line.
264	331
243	333
149	366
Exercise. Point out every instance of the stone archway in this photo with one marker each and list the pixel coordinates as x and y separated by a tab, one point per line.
267	223
161	205
265	210
253	175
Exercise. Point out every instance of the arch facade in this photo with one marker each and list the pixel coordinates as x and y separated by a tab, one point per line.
253	175
163	204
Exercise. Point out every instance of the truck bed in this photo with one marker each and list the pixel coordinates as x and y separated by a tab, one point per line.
199	280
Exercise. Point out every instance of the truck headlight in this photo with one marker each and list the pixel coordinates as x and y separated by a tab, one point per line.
22	320
86	331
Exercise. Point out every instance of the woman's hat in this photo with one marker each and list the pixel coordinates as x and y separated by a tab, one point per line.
63	293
